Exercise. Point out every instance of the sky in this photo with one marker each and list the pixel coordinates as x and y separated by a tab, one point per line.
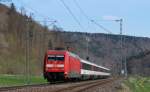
135	14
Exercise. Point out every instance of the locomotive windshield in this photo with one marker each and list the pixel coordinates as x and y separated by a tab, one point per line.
55	57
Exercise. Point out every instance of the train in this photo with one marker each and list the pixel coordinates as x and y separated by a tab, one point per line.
65	65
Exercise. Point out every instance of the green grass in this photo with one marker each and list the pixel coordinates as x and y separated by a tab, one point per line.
18	80
138	84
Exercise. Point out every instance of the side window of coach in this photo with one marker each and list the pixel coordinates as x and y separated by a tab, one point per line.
86	66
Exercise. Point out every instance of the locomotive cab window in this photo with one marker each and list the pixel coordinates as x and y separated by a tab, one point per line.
55	58
60	58
51	58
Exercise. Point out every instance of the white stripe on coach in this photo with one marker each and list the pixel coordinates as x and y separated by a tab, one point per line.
89	72
93	64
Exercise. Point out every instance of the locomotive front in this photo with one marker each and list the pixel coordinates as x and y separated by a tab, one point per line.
54	65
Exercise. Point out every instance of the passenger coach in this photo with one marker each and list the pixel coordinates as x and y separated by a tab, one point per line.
64	65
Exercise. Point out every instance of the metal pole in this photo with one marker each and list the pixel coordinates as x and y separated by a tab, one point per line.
87	48
87	45
27	53
30	46
125	61
26	69
121	46
29	36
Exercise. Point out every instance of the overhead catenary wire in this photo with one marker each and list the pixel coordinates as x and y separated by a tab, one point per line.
71	13
46	18
34	10
81	10
101	26
88	18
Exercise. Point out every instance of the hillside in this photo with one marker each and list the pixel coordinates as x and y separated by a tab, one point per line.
139	64
104	49
14	42
23	43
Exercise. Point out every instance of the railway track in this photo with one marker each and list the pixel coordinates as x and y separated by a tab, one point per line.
28	86
85	86
21	87
59	87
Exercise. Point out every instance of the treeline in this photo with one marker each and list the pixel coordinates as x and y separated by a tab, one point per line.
139	64
23	40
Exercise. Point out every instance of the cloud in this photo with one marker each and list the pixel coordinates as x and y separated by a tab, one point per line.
109	17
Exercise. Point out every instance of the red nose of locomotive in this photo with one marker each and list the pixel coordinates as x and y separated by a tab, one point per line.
55	63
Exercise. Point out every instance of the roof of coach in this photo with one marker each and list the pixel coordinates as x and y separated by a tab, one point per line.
74	55
90	63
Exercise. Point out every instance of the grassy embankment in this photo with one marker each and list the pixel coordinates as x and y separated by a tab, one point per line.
138	84
15	80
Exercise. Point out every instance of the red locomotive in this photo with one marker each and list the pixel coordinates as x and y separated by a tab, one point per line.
64	65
